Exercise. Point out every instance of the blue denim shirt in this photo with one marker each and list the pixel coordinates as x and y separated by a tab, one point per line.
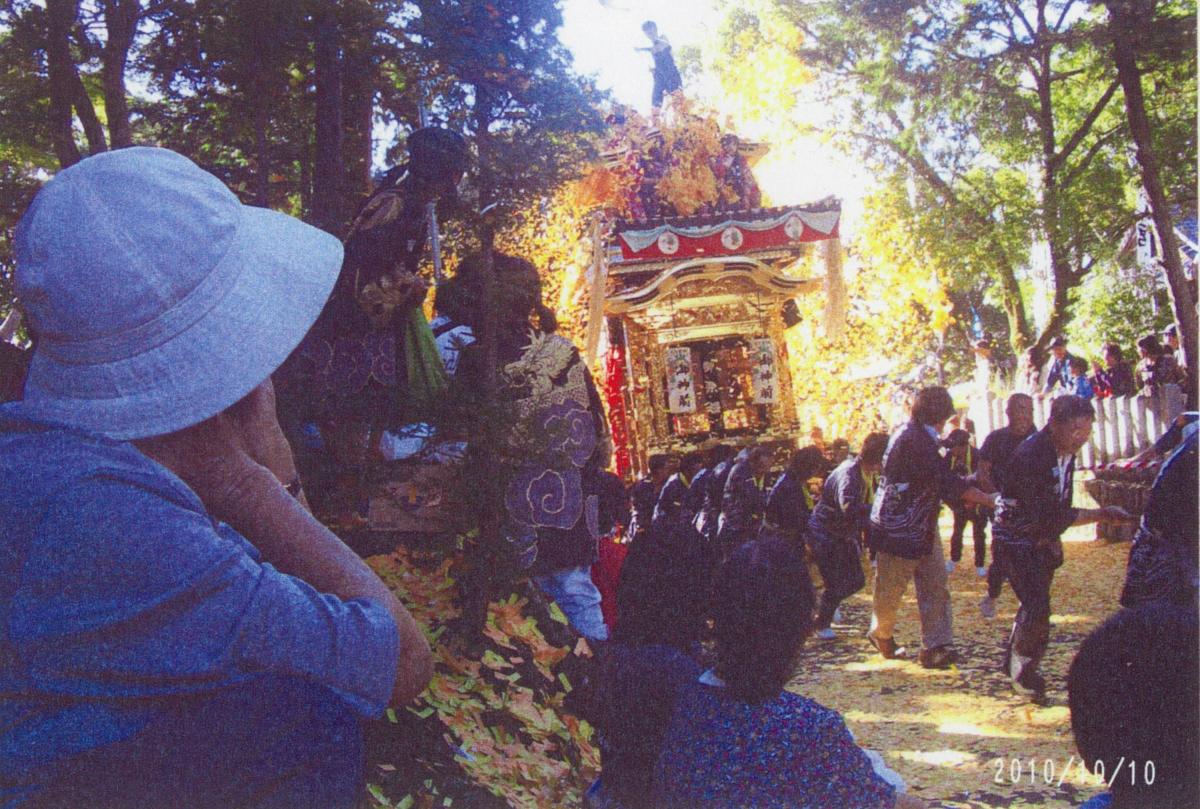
118	593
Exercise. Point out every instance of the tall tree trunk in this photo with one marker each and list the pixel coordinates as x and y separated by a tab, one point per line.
93	130
1051	214
120	23
60	16
358	116
327	158
1125	17
262	143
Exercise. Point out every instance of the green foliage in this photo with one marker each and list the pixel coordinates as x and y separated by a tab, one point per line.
504	78
1002	119
1117	304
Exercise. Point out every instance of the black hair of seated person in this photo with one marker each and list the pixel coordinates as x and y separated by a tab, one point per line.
763	603
1134	694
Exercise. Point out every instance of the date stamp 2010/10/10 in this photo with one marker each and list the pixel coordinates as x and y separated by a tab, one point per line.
1033	771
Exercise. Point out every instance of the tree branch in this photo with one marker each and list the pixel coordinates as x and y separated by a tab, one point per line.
1075	171
1086	125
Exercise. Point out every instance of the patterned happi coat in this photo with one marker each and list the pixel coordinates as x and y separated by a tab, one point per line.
554	494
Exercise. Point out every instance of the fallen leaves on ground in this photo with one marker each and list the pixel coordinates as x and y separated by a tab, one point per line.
492	722
962	737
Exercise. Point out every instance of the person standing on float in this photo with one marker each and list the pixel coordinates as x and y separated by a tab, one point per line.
666	75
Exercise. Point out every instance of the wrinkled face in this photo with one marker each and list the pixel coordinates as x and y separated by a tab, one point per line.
1070	436
1020	416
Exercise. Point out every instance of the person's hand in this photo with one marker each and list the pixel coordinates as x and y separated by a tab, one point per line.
257	430
227	460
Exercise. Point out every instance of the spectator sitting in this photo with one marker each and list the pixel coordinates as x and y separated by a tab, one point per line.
1133	693
640	675
1116	377
1077	380
737	738
176	622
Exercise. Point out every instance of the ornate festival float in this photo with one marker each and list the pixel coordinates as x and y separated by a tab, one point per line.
696	291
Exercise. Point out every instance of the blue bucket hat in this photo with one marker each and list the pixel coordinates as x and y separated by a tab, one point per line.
157	299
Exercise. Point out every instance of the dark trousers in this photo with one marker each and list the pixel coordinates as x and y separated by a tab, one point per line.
995	576
978	522
840	564
1030	571
272	743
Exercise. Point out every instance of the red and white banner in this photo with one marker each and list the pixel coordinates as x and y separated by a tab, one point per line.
729	237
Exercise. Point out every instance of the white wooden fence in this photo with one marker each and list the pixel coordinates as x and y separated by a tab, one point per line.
1124	426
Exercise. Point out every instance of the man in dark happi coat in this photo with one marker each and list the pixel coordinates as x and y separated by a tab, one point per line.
370	360
744	501
836	527
643	494
1034	511
1163	563
678	502
720	462
790	502
994	456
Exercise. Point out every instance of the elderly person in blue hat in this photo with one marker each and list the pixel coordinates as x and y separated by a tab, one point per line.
177	627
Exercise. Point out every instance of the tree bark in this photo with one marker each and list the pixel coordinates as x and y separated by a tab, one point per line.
60	15
1125	17
358	116
327	158
120	23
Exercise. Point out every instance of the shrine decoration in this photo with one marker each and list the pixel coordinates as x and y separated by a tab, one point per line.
681	382
614	396
745	231
763	376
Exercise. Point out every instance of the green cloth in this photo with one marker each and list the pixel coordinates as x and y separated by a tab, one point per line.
427	377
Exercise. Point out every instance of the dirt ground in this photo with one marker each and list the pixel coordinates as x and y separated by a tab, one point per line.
962	738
